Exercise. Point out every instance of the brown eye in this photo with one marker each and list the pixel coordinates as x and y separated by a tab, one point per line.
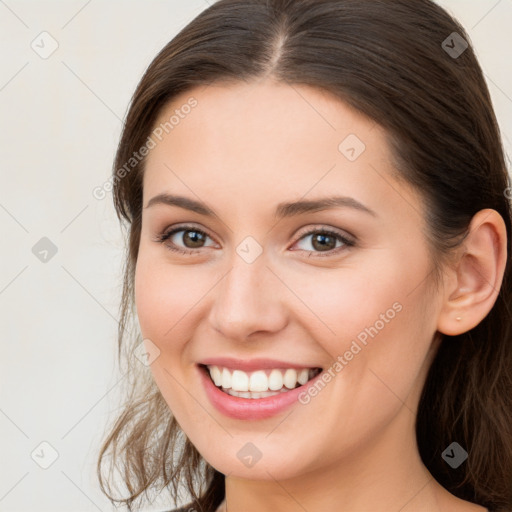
325	241
184	239
192	239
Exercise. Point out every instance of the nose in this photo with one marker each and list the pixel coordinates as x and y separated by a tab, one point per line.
248	301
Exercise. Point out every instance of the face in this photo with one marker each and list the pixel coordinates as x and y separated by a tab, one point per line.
343	287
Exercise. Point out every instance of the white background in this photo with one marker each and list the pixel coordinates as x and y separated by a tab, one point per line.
60	121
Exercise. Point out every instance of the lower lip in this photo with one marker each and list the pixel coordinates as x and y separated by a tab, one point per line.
251	408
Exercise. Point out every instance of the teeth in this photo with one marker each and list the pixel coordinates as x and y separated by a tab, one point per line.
240	381
216	375
303	376
260	383
290	378
257	382
226	378
254	394
275	380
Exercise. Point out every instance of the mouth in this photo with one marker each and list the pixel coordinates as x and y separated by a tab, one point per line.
260	383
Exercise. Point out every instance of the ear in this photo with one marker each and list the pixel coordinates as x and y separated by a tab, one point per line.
475	278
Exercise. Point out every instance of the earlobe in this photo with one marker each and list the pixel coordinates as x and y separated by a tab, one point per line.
477	275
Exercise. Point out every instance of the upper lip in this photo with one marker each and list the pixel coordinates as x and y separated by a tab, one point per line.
249	365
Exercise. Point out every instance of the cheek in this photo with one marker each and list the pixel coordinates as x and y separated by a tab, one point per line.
167	297
379	315
380	330
342	303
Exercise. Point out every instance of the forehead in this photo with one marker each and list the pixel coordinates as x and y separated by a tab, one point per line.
264	142
242	116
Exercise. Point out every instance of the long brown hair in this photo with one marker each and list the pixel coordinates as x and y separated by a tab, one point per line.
399	63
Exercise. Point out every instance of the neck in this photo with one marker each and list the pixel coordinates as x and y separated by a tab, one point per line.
386	475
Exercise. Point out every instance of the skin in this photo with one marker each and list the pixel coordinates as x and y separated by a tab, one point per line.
244	149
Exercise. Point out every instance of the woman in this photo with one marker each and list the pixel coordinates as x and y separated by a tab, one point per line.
319	229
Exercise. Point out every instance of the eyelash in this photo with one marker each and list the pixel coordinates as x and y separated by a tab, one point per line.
163	237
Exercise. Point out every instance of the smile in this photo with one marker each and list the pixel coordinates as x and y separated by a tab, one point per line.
260	383
256	394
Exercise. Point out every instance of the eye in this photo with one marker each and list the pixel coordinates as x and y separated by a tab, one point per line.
324	240
192	237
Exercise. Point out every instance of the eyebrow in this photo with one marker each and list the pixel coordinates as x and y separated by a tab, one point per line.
289	209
